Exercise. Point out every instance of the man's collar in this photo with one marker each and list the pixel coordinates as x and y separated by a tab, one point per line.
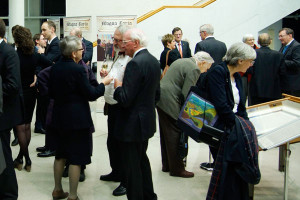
142	48
210	36
290	42
49	42
1	40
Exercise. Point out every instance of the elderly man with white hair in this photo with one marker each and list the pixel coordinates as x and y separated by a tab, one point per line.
137	96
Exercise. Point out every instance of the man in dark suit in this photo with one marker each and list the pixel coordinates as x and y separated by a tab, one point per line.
182	49
209	44
88	46
137	95
291	54
217	51
52	52
11	116
266	73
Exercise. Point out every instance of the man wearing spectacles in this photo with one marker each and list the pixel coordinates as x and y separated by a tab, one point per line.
291	54
182	47
137	96
113	108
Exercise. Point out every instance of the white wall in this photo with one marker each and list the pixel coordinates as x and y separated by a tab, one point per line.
231	18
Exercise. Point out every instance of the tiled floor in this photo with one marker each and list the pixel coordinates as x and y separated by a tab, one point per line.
38	184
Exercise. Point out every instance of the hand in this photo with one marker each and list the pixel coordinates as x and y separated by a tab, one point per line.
107	80
103	73
117	83
41	50
34	81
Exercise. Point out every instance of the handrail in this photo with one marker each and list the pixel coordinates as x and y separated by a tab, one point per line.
151	13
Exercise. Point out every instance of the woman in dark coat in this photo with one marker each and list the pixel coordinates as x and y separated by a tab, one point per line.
29	61
223	88
168	41
71	118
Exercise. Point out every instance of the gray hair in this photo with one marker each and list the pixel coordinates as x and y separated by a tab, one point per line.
208	28
77	32
68	45
247	36
138	34
239	51
122	28
203	56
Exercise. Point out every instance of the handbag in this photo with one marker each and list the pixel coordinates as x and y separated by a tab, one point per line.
166	67
197	118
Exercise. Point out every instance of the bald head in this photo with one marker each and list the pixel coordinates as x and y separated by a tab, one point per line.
264	39
76	32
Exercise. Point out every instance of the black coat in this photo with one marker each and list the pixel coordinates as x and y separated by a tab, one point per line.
88	54
138	96
215	48
291	58
186	51
71	91
52	51
266	74
216	87
13	112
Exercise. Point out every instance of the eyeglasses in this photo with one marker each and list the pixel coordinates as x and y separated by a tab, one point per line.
178	34
116	40
126	41
281	36
80	49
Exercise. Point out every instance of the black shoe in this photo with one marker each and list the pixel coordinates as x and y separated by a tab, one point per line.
41	149
82	176
119	191
66	172
15	142
40	130
47	153
109	177
207	166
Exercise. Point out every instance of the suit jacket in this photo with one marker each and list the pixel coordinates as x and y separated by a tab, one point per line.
219	93
138	96
70	89
13	112
88	55
291	58
186	51
266	74
52	51
176	84
215	48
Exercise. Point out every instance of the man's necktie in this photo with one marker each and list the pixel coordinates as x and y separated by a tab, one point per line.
180	50
284	49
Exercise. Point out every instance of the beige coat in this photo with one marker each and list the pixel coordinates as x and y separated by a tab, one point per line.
175	85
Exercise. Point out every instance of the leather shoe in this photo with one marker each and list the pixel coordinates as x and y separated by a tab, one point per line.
41	149
40	130
15	142
82	176
60	194
183	174
119	191
109	177
47	153
207	166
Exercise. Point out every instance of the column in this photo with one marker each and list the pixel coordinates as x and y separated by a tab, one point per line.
16	15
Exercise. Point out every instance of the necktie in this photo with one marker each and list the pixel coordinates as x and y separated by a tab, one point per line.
121	53
180	50
284	49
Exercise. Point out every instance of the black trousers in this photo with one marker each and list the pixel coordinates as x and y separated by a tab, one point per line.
138	176
113	145
8	180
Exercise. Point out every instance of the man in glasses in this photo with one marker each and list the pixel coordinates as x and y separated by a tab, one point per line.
182	47
291	54
112	109
137	94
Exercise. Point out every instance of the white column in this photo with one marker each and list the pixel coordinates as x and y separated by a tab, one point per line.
16	15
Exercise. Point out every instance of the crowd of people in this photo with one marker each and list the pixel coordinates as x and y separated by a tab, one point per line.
57	75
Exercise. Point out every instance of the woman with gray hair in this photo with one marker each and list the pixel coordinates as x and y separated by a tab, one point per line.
249	39
71	118
174	86
223	88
